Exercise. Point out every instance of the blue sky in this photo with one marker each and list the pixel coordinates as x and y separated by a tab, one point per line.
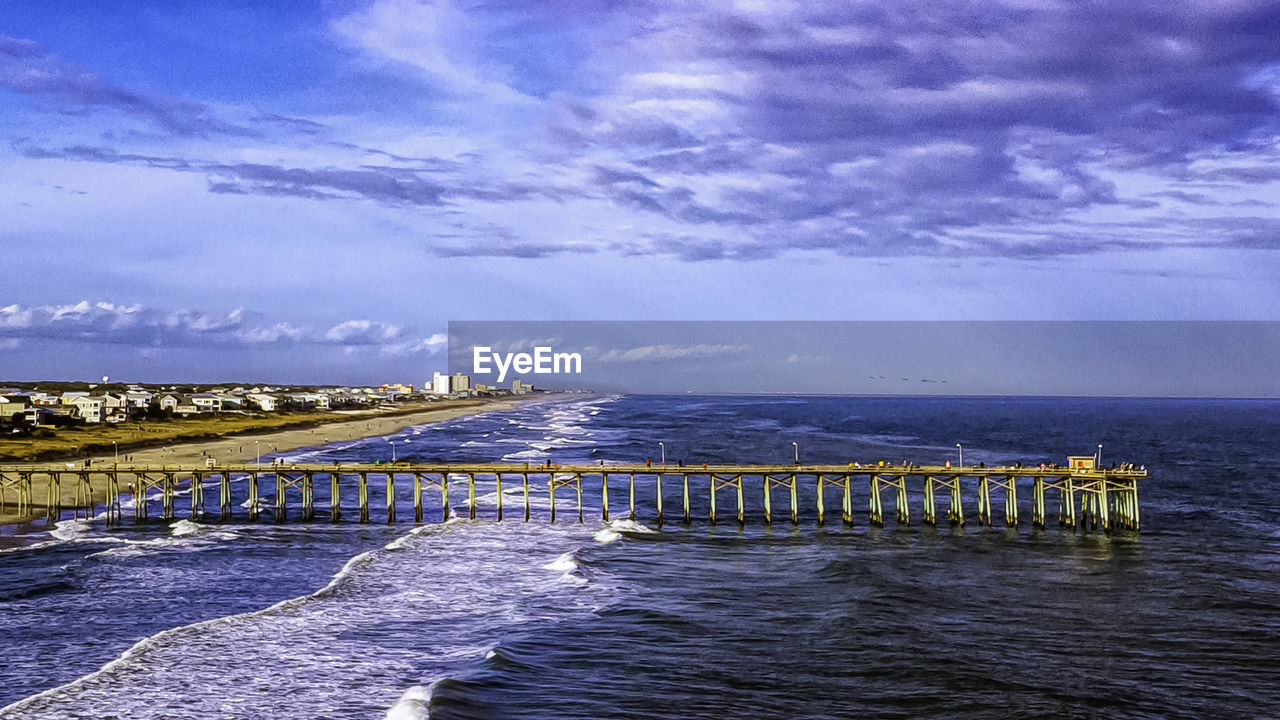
312	191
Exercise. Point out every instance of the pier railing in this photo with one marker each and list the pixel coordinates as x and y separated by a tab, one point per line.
1086	498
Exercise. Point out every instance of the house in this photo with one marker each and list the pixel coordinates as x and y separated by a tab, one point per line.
138	399
265	402
88	408
169	403
38	415
231	402
113	402
11	405
207	402
186	408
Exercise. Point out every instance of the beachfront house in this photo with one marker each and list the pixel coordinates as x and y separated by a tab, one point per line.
230	402
264	402
300	401
89	408
168	403
113	402
14	405
137	399
207	402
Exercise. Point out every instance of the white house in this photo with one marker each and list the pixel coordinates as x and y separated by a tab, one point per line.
265	402
169	402
138	399
89	409
207	402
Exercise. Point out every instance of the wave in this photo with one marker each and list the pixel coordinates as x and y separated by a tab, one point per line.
464	584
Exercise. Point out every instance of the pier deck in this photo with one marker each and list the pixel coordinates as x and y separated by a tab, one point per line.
1102	498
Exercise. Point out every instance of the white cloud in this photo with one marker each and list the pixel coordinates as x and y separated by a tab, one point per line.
650	353
109	323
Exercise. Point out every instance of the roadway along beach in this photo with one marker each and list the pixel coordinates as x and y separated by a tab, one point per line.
244	447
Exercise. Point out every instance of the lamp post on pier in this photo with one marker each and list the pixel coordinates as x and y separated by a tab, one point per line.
258	448
1098	458
663	447
116	447
393	450
961	449
796	446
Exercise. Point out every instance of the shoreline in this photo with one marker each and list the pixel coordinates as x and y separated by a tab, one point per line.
243	447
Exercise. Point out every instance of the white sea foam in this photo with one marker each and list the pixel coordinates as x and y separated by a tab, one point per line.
184	527
607	536
70	529
563	563
414	704
630	526
525	455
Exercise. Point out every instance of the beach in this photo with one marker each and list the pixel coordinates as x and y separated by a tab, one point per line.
245	447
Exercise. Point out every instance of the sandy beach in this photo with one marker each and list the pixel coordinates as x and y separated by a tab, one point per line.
244	448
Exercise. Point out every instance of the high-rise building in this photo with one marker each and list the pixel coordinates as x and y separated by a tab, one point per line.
459	383
439	383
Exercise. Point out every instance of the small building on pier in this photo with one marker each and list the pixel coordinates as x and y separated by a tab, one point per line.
1082	462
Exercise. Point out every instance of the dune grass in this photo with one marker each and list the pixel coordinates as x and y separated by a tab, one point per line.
86	440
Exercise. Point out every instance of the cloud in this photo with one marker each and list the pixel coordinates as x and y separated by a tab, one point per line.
652	353
28	68
730	131
115	324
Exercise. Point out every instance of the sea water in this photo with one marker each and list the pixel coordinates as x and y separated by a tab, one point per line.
629	619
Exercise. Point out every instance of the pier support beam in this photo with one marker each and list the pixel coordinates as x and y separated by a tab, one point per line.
822	511
685	477
846	508
795	502
524	478
362	495
253	495
658	495
875	507
742	511
471	495
417	498
335	496
391	498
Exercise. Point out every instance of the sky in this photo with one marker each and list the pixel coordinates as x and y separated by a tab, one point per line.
311	191
1166	358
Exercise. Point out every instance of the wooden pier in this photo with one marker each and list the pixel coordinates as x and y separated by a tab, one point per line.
1088	498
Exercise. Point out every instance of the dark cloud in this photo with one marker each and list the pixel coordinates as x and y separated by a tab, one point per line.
899	129
391	185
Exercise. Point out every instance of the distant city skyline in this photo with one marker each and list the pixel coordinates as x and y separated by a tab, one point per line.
311	192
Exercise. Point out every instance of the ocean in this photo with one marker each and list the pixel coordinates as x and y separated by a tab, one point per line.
479	619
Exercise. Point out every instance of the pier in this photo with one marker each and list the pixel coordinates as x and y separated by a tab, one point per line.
1083	497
